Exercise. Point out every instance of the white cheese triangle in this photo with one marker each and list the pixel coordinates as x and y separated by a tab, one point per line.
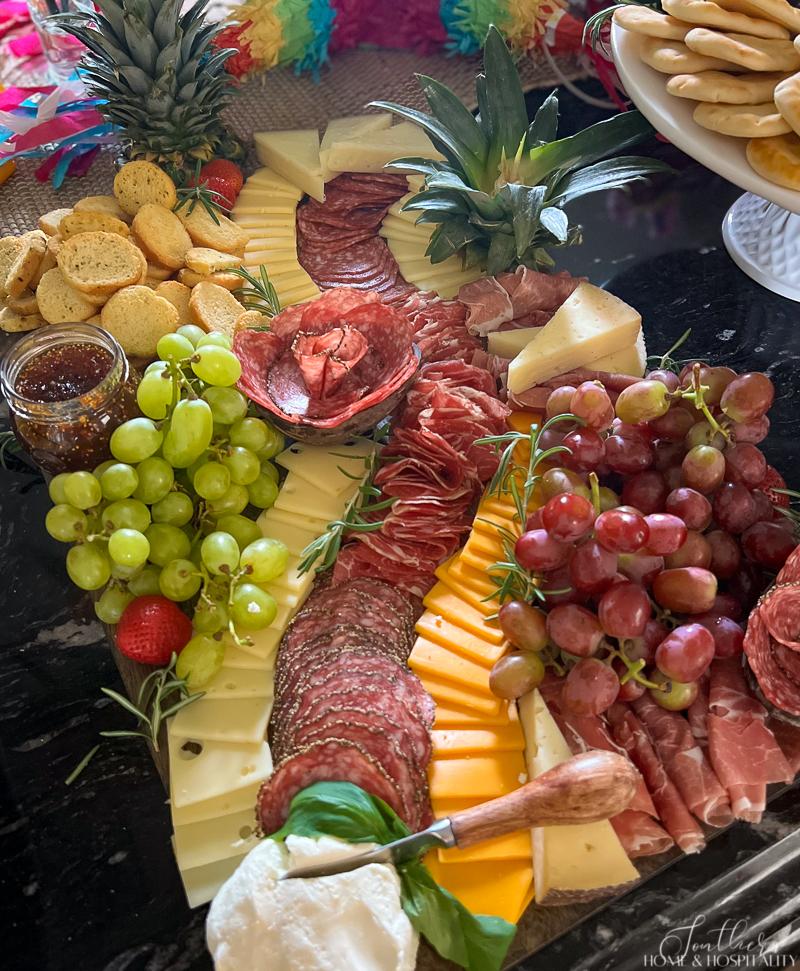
590	324
373	151
295	156
343	129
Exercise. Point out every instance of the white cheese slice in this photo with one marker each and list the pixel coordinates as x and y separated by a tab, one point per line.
275	183
243	720
570	863
399	227
236	801
448	289
295	538
408	249
286	234
295	156
311	523
298	294
282	597
433	275
589	324
276	261
261	209
300	496
342	129
210	840
260	225
293	581
235	657
235	683
263	643
630	360
322	465
375	150
203	883
280	269
218	767
508	343
282	618
407	215
285	282
422	266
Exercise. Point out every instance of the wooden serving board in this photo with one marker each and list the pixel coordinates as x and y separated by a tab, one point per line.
538	925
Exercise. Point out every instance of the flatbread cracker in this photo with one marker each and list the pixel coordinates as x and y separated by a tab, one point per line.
776	159
780	11
787	99
651	23
742	121
706	13
674	57
752	53
721	88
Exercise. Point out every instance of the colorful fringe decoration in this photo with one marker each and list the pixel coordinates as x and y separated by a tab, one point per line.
53	123
303	32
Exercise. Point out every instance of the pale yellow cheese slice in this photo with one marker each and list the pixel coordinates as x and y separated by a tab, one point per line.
508	343
408	249
235	801
269	180
209	840
294	155
590	324
570	863
343	129
220	767
372	152
201	884
630	360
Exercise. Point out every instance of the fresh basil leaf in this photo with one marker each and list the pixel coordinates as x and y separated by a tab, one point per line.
477	943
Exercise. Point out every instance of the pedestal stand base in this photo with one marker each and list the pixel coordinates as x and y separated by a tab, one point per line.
764	241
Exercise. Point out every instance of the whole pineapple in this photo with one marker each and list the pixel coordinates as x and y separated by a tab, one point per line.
498	198
161	77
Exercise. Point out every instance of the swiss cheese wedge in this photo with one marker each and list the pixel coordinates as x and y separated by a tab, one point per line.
570	863
295	156
343	129
590	324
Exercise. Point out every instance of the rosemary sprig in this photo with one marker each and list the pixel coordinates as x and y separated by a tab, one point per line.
665	362
154	703
190	195
593	27
324	549
81	765
261	294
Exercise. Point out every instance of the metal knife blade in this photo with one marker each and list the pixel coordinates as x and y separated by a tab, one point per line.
400	851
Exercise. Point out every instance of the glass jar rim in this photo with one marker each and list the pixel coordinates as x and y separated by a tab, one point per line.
47	338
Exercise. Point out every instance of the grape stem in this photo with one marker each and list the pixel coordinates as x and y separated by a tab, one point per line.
633	668
594	485
666	363
697	395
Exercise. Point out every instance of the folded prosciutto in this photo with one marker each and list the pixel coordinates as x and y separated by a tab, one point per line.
742	749
685	762
526	297
630	733
640	834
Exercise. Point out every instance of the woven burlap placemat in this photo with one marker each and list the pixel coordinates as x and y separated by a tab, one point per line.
280	99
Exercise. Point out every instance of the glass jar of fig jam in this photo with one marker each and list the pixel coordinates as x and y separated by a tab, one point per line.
68	387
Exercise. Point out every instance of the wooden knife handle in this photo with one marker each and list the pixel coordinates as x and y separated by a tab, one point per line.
588	787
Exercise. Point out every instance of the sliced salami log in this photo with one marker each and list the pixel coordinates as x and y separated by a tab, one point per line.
776	686
780	610
790	571
685	762
335	760
629	732
640	834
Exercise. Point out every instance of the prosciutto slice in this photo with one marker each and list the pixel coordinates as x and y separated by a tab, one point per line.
742	749
698	714
640	834
523	296
629	732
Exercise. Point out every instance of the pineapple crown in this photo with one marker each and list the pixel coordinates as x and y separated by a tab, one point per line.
163	81
499	196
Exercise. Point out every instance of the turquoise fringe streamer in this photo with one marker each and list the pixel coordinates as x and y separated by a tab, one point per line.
321	17
455	16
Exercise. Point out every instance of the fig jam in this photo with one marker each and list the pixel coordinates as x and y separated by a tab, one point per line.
68	387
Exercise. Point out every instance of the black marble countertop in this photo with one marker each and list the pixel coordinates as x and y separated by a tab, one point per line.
87	877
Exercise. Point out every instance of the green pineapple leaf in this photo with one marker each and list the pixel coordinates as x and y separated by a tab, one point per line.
526	205
450	111
612	173
544	127
449	238
501	254
504	110
555	221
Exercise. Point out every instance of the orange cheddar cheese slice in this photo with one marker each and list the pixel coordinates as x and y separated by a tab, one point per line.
429	658
434	627
480	561
472	597
458	743
450	717
521	421
489	547
496	888
503	506
513	846
440	599
490	523
458	696
480	777
467	576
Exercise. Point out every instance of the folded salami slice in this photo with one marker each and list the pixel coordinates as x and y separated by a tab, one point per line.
685	762
780	610
776	685
640	834
629	732
788	737
337	760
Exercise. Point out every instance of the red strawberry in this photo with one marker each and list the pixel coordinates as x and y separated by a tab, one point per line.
771	481
151	629
221	189
222	168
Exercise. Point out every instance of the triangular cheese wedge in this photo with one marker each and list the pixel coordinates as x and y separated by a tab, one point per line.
372	152
570	863
295	156
342	129
588	325
630	360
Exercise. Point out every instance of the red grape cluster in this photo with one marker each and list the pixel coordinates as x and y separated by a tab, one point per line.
650	541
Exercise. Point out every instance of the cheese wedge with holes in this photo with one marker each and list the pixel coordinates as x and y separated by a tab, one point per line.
235	801
299	496
373	151
571	863
508	343
216	720
236	683
311	523
294	155
590	324
345	129
202	883
241	660
262	643
217	768
294	538
207	841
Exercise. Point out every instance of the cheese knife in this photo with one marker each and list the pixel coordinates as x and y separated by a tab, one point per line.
585	789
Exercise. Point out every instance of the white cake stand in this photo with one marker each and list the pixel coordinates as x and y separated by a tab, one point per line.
762	228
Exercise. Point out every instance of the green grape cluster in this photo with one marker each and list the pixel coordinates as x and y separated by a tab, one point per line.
167	514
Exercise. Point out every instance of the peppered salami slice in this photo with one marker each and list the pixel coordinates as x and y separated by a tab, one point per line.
336	760
776	686
780	609
788	660
349	607
375	592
